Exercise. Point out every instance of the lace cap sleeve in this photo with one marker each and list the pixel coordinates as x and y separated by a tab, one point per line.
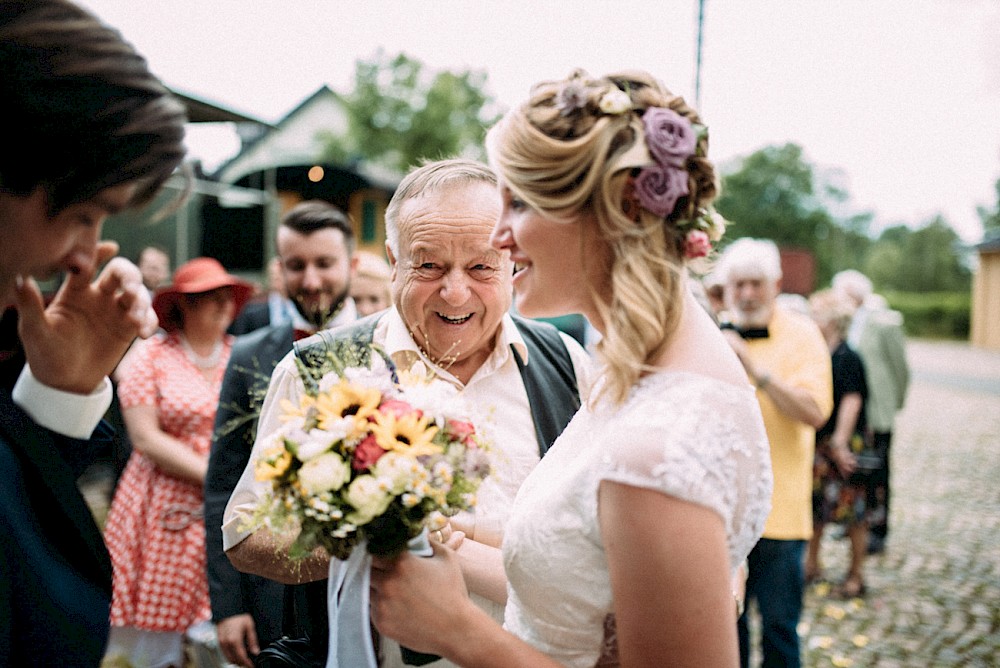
697	439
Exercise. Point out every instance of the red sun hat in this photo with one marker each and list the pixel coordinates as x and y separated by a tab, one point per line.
202	274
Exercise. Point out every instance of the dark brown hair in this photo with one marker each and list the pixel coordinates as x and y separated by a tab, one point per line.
82	110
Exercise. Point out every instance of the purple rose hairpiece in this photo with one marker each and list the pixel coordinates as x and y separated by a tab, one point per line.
671	141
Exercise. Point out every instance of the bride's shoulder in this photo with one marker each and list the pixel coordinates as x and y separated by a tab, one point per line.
684	412
682	391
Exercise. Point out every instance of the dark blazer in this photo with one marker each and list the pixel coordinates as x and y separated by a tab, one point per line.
244	385
254	315
55	573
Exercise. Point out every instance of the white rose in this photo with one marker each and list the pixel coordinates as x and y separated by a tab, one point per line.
327	472
615	102
318	441
436	399
377	377
369	498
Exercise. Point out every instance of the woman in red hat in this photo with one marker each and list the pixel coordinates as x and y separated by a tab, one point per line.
155	532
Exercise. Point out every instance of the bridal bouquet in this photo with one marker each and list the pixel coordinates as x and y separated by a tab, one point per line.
369	455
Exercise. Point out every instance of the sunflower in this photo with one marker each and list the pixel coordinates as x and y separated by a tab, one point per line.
291	412
408	435
273	463
347	400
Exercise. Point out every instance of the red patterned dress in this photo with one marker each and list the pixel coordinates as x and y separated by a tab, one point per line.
155	531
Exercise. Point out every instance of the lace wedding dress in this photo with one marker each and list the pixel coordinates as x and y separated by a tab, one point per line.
683	434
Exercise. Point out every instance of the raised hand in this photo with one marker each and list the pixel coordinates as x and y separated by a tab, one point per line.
80	337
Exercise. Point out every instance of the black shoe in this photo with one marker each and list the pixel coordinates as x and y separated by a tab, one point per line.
876	545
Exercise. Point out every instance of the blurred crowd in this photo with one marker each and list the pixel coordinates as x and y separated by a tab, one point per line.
182	571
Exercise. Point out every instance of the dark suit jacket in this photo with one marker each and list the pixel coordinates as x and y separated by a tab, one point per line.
253	359
55	573
254	315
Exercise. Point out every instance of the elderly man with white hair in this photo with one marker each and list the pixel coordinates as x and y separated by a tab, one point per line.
876	333
786	357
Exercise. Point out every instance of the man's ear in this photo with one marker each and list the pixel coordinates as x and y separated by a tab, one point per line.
392	261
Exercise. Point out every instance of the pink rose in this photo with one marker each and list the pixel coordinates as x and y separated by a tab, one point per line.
366	453
669	136
396	408
659	187
461	430
696	244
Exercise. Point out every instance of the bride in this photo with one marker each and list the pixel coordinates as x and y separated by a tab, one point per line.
624	540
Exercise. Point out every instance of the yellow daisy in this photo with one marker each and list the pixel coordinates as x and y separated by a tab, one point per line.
408	435
347	400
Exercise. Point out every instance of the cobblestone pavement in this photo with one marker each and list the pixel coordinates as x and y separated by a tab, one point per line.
934	595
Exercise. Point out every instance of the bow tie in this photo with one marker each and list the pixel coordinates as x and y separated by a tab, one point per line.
299	334
747	333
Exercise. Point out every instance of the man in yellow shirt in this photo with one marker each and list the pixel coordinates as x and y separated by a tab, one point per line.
787	359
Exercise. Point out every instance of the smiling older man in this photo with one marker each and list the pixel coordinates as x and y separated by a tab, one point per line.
452	293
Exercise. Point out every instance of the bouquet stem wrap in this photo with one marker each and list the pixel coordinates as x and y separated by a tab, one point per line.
349	606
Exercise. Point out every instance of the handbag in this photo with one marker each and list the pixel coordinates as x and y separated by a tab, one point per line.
869	459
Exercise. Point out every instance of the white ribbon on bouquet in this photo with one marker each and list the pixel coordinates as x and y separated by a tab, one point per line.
349	605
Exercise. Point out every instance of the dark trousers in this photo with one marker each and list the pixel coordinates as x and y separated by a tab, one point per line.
776	581
879	489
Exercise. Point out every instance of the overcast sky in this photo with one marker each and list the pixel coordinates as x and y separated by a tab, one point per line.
898	100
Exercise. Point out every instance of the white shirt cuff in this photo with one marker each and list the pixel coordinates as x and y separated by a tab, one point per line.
66	413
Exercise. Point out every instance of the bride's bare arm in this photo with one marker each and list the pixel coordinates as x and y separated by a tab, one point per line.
482	569
423	604
670	579
480	557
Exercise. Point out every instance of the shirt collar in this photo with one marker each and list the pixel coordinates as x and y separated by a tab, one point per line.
405	352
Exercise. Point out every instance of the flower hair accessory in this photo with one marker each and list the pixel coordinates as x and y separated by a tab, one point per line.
615	102
702	231
671	141
573	96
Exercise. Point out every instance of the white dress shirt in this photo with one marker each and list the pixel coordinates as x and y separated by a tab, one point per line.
65	413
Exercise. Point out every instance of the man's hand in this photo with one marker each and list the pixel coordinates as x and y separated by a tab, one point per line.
80	337
238	639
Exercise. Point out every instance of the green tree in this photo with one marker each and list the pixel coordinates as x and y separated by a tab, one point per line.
991	218
927	259
775	193
399	115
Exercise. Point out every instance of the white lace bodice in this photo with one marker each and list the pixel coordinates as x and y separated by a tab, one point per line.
686	435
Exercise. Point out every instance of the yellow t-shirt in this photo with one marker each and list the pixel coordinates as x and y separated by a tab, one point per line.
797	354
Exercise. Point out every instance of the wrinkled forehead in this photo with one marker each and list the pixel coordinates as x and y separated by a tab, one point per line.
461	214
